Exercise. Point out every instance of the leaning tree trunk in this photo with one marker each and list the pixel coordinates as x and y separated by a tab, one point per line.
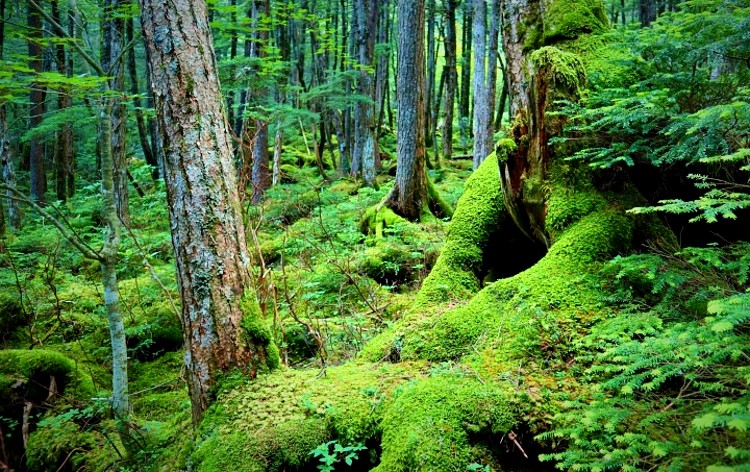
221	320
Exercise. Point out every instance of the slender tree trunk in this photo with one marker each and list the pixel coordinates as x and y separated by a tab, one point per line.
108	263
646	12
481	112
148	152
63	152
431	73
6	157
409	193
451	77
364	123
37	95
464	100
221	320
382	60
113	64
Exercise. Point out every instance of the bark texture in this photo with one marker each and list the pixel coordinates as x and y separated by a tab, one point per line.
113	63
539	71
37	168
221	321
409	193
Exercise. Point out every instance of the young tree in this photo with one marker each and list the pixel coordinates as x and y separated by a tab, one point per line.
221	320
113	62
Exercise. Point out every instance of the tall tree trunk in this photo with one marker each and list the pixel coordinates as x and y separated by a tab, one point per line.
646	12
482	143
260	176
451	77
149	154
6	157
221	320
63	152
108	263
365	145
113	64
37	95
409	193
463	105
533	90
382	60
431	73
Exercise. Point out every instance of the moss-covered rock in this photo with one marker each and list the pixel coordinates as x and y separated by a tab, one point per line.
26	374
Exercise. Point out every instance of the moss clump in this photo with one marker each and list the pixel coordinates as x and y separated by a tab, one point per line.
257	331
568	19
529	313
27	373
563	69
275	420
48	448
432	424
377	218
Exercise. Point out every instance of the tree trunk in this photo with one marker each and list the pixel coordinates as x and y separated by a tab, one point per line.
482	142
533	90
409	193
113	64
451	77
6	157
37	166
260	174
364	123
63	153
431	73
149	154
464	99
221	320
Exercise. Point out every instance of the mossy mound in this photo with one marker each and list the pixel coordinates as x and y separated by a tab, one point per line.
276	420
25	376
569	19
479	214
434	424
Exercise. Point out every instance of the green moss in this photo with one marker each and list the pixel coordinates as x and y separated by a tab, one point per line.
431	424
516	316
437	204
274	421
563	69
258	331
479	214
33	369
48	448
569	19
571	196
377	218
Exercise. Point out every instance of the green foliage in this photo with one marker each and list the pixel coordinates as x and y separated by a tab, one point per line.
330	457
669	383
687	105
